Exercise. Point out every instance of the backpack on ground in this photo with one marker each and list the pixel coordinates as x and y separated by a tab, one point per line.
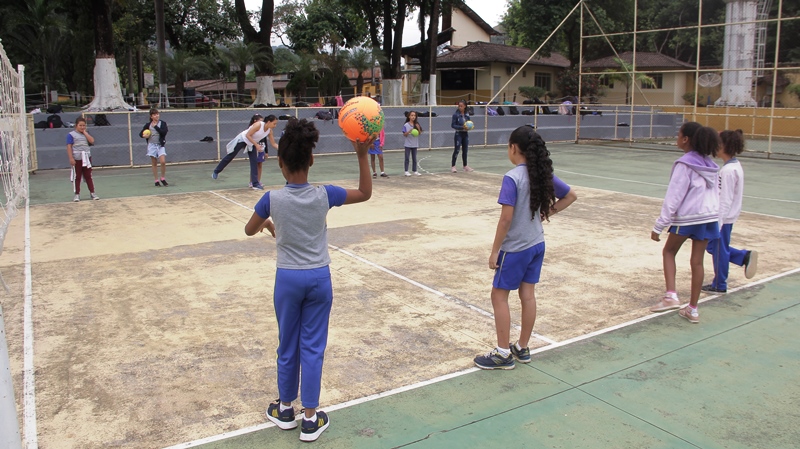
513	110
491	111
500	111
324	115
54	121
101	120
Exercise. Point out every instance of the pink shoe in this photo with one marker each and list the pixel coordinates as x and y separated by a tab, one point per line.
668	302
690	314
467	168
454	169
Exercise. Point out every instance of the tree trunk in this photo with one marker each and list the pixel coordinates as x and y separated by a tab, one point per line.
433	41
392	49
107	91
265	69
162	55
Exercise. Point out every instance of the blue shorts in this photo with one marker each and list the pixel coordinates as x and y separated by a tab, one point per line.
155	150
261	156
376	149
704	231
515	268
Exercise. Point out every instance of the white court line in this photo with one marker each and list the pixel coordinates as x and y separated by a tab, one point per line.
29	385
410	281
466	371
664	185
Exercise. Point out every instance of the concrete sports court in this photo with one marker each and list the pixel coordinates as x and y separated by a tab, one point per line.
153	323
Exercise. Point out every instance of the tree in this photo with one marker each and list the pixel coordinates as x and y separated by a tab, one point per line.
241	55
567	84
265	67
529	22
198	25
317	26
179	64
304	75
39	32
361	60
107	92
625	75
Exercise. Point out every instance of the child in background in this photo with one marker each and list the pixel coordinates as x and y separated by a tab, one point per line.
80	158
411	142
377	149
303	295
155	145
270	122
528	195
691	210
461	137
731	190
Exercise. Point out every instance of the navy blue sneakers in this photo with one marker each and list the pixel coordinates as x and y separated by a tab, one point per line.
311	430
283	419
493	360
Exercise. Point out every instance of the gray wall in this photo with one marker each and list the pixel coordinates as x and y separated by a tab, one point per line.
119	144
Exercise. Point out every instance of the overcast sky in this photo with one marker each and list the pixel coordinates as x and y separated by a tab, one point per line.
490	10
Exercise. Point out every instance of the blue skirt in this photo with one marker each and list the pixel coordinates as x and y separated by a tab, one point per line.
703	231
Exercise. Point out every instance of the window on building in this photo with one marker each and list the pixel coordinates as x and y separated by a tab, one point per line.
542	80
658	80
463	79
524	73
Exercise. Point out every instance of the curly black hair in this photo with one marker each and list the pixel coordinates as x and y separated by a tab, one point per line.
540	169
297	144
732	142
706	141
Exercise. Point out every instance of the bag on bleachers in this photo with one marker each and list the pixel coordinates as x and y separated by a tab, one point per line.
513	110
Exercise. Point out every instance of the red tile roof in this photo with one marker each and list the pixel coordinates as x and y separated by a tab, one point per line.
485	53
644	60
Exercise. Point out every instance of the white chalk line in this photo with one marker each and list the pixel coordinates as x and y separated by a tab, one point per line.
406	279
470	370
29	382
664	185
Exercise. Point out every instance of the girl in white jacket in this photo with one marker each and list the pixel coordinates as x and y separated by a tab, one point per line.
731	190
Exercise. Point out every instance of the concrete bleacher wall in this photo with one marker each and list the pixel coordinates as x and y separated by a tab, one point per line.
120	145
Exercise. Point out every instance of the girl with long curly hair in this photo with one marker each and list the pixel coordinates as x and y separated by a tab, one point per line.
529	194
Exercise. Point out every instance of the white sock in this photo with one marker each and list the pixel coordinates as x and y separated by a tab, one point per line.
503	351
519	348
312	419
282	407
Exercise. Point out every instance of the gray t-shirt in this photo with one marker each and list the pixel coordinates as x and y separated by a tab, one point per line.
299	213
80	145
410	141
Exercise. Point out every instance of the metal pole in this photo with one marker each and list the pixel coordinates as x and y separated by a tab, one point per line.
774	79
580	81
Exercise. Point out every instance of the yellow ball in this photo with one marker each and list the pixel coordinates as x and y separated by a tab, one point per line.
469	125
415	132
361	118
146	133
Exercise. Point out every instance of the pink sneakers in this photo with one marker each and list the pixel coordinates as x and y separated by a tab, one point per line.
668	302
690	314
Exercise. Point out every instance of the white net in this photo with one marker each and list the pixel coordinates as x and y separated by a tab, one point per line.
14	145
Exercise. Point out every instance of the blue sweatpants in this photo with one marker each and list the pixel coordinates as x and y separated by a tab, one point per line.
252	156
303	300
723	255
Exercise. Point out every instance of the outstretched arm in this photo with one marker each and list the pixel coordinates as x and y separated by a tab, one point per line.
364	191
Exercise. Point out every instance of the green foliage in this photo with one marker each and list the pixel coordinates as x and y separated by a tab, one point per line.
567	84
197	25
531	92
625	75
794	89
689	97
311	26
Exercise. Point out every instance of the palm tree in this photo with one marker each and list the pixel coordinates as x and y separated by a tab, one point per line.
240	55
37	30
360	59
180	63
628	77
304	75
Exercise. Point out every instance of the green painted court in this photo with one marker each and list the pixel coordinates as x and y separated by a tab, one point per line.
153	323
